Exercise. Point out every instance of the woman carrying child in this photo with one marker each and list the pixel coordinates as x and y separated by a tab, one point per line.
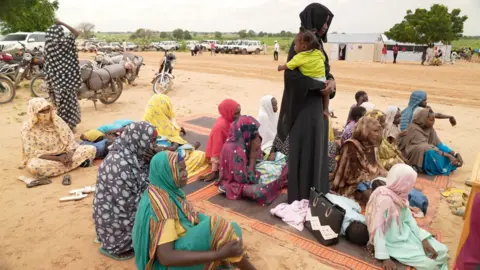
302	127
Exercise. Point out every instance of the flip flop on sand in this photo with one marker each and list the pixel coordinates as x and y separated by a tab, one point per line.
39	182
76	197
451	191
84	190
121	257
67	180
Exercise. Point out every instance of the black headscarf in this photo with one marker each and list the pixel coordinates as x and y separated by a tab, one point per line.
297	86
314	16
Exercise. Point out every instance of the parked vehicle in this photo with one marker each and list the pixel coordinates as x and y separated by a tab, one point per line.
249	47
168	46
31	64
131	46
130	61
12	41
163	81
116	46
206	44
7	89
104	47
9	70
102	84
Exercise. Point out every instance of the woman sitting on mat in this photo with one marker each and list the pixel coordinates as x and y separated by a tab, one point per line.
388	154
469	257
358	164
122	178
159	113
229	111
268	119
49	147
423	149
169	234
394	233
355	114
242	160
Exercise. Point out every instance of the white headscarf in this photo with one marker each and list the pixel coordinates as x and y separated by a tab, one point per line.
368	106
391	130
268	122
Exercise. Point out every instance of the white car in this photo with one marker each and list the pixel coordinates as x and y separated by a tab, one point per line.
250	46
131	46
207	44
168	46
31	40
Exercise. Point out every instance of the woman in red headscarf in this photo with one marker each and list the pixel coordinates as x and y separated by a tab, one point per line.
469	256
229	110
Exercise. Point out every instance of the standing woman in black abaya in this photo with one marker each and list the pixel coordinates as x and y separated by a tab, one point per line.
302	132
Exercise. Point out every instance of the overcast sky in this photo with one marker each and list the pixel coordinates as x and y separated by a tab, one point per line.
351	16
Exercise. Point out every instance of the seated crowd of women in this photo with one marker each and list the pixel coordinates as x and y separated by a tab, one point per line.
139	204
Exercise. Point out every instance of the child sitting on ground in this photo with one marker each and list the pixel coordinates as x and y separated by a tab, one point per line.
310	60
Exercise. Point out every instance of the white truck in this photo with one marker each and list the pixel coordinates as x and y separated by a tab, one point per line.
33	40
168	46
249	47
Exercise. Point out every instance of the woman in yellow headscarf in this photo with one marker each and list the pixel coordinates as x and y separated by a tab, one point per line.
159	113
388	153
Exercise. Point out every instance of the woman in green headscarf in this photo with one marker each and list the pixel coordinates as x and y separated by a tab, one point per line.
168	233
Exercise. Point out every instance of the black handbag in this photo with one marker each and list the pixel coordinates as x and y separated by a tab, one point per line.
324	219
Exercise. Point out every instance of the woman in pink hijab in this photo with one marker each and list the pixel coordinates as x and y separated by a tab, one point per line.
394	233
469	256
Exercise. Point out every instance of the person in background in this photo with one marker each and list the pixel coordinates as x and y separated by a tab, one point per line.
276	49
229	110
469	257
360	98
395	53
169	234
424	55
394	232
212	49
453	57
192	49
62	72
384	54
264	48
392	132
357	113
124	45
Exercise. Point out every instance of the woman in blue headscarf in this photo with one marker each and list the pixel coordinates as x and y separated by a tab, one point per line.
169	234
418	99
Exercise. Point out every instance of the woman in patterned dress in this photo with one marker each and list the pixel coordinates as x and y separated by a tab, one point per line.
240	175
122	178
63	72
49	147
169	234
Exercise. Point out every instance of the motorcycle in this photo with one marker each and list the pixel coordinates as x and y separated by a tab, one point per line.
31	64
163	81
131	62
103	84
7	89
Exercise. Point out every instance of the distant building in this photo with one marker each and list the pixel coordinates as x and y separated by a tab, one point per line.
368	47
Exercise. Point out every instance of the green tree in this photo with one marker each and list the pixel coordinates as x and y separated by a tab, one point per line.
218	35
242	33
163	35
27	15
252	33
187	35
194	34
429	26
86	30
283	33
142	33
177	34
261	34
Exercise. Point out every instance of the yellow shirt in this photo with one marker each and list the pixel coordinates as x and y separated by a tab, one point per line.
311	63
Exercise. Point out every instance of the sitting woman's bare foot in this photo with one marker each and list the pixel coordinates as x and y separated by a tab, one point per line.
196	145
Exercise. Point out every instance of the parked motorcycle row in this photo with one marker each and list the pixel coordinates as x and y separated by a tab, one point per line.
102	79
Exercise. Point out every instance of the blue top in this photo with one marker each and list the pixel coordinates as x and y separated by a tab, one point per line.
407	115
352	210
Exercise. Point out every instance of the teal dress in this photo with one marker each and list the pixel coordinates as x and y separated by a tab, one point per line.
404	243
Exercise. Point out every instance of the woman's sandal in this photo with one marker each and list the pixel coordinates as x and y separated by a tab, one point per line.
120	257
67	180
39	182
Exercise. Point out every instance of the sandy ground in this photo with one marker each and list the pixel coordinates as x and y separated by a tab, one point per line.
38	232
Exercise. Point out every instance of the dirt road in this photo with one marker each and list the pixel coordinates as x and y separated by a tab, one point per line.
38	232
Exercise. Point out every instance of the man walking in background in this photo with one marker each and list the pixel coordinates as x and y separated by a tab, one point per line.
395	53
124	44
384	54
275	51
264	48
212	48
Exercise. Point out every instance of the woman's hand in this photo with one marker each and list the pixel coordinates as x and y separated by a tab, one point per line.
329	88
182	131
453	121
429	250
403	133
231	249
388	265
452	159
66	158
459	159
